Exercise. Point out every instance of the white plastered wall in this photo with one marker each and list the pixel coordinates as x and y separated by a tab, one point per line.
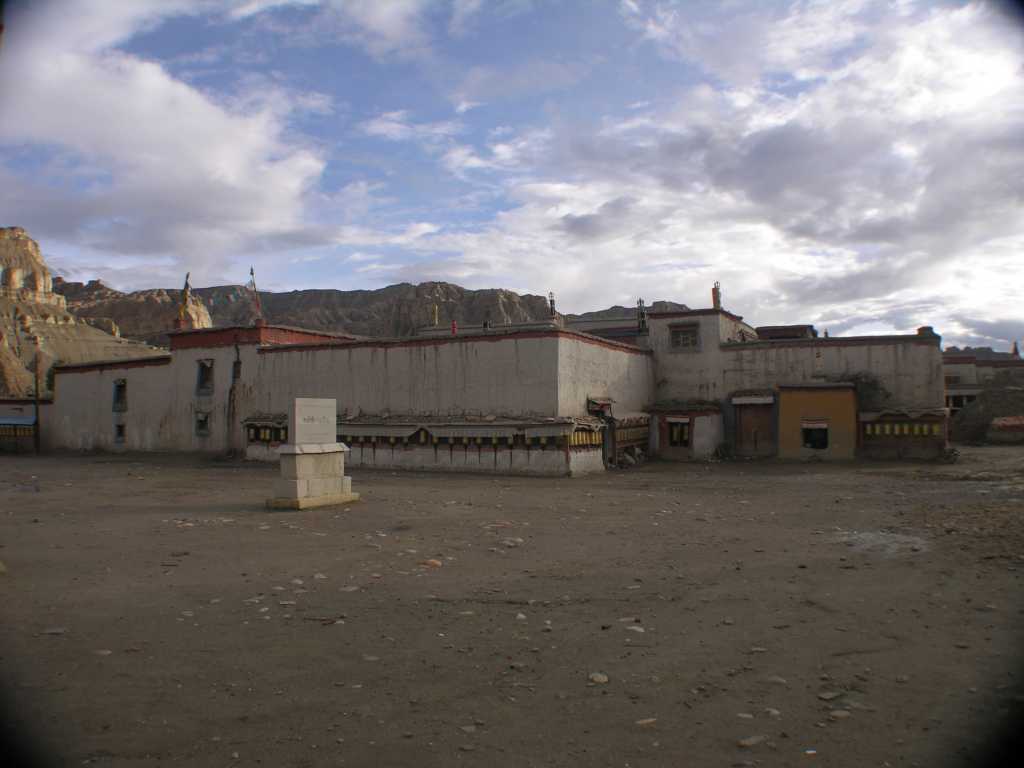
910	371
587	369
507	376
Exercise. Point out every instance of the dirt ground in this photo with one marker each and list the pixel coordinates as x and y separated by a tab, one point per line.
154	613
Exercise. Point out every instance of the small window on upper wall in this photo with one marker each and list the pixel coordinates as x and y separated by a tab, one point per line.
120	395
684	336
119	433
204	377
202	424
815	438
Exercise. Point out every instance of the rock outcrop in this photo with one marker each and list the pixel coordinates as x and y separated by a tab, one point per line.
396	310
143	315
35	322
24	275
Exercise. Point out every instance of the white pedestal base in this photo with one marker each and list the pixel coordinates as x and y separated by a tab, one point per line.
312	475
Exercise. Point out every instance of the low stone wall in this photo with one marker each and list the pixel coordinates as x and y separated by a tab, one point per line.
552	461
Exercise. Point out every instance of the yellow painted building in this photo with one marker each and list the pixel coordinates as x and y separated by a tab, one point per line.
817	420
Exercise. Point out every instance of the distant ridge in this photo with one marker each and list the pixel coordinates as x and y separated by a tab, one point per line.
396	310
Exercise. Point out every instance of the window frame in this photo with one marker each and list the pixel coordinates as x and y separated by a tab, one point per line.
685	438
205	383
203	417
679	328
120	404
807	442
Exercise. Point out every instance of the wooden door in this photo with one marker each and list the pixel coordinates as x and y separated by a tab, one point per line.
755	430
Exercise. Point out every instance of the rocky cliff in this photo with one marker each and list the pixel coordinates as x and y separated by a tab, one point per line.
396	310
35	322
618	312
143	315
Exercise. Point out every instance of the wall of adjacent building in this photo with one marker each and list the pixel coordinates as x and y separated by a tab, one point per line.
162	404
509	375
910	368
687	374
837	407
591	369
521	375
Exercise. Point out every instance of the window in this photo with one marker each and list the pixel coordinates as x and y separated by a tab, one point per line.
679	434
204	377
202	424
120	395
684	336
815	438
952	380
119	433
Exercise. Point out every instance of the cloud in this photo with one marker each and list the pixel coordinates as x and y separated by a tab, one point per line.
856	164
159	166
799	40
606	219
396	126
382	28
463	14
883	193
1001	332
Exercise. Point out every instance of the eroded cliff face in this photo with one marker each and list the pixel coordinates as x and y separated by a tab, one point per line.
393	311
35	322
24	275
397	310
145	316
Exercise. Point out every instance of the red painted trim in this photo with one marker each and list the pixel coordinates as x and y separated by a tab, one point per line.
107	365
227	336
693	313
436	341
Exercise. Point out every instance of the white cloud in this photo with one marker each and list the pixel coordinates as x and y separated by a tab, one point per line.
853	198
164	168
396	126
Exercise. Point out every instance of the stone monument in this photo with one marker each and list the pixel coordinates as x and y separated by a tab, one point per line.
313	461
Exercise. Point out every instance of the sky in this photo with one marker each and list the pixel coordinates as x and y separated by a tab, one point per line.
856	164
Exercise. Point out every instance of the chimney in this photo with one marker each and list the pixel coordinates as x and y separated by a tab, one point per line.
925	330
551	303
716	295
1015	351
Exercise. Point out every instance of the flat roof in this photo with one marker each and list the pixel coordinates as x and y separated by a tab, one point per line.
272	326
126	362
693	313
832	341
820	385
490	336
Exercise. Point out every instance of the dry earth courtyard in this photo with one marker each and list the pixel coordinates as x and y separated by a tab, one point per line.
767	614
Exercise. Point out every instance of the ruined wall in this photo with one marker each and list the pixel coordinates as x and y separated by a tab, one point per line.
909	367
587	369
